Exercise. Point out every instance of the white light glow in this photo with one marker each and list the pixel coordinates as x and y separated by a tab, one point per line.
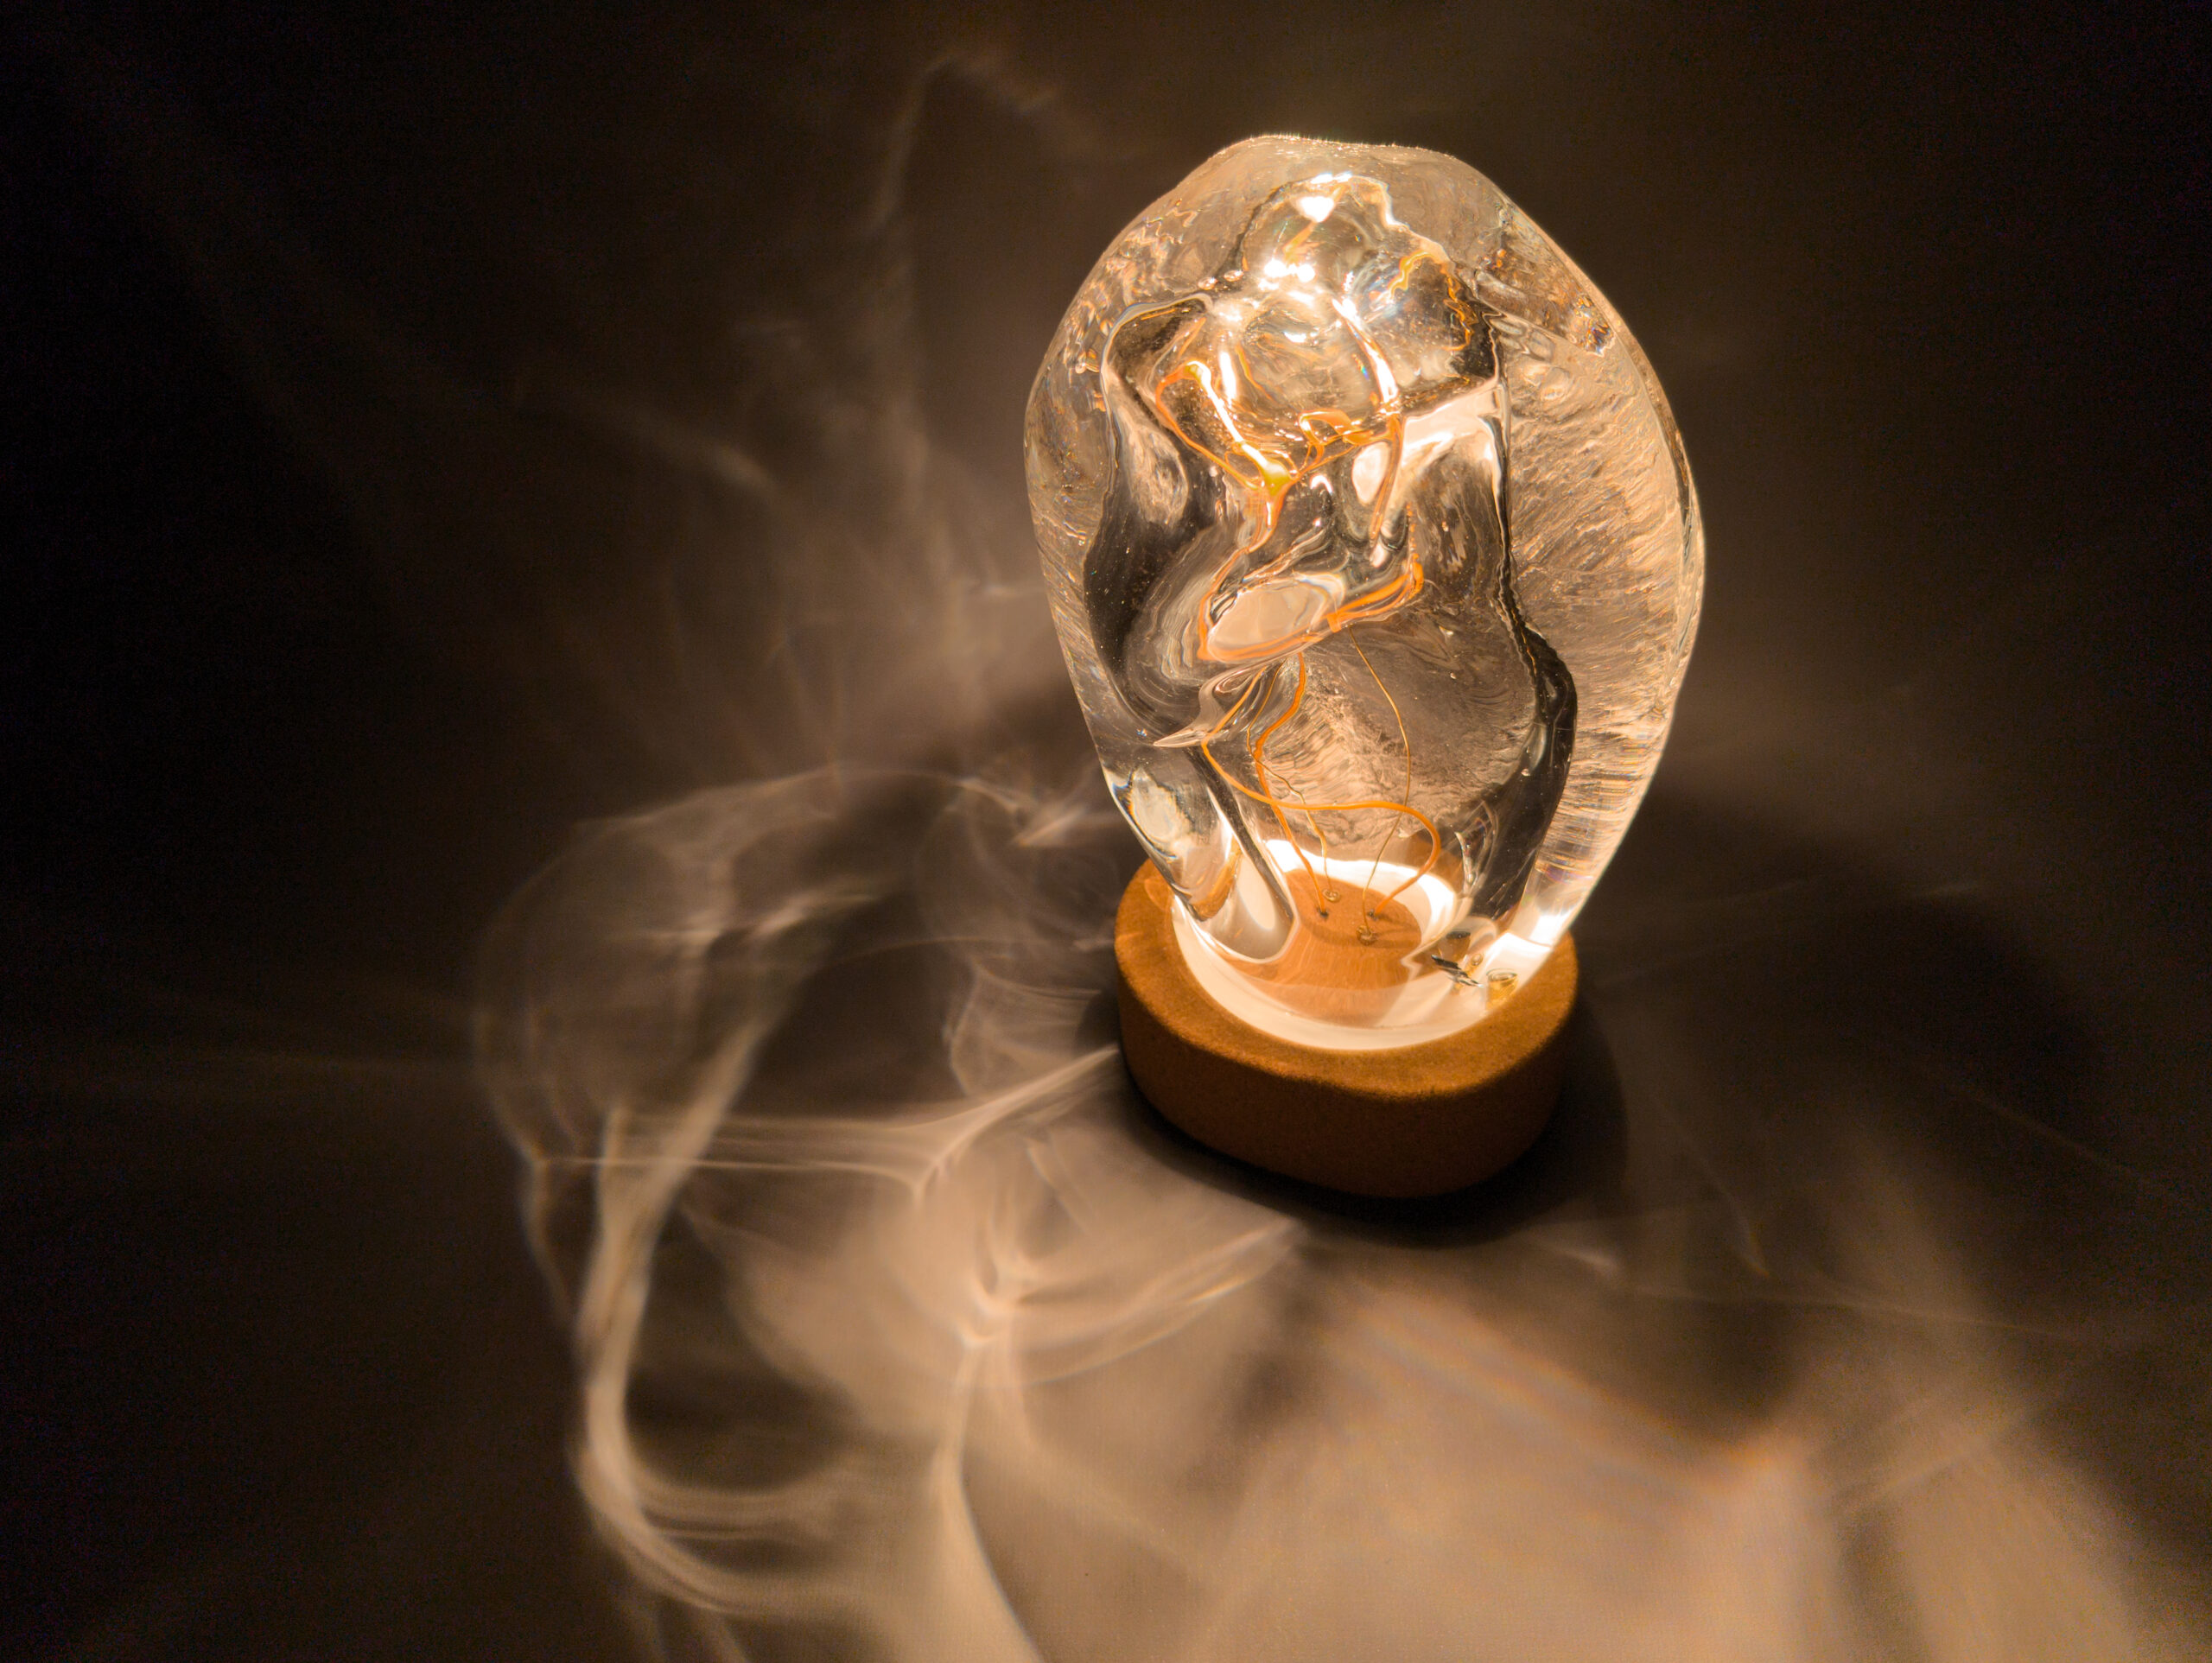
1428	1007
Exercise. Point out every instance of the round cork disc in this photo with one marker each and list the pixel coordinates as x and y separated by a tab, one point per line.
1419	1121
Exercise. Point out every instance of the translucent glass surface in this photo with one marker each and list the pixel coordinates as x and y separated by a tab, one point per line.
1375	560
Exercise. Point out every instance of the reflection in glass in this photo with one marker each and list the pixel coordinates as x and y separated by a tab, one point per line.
1379	734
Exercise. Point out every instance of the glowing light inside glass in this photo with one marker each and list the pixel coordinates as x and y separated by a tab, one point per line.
1376	563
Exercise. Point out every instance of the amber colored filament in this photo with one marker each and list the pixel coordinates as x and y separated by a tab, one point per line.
1267	795
1406	742
1206	746
1268	463
1327	892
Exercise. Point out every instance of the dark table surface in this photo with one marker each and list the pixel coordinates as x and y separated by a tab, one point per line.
428	430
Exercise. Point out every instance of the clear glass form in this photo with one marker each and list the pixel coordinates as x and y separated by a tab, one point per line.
1375	560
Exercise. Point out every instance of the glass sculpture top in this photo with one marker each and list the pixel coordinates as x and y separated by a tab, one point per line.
1375	559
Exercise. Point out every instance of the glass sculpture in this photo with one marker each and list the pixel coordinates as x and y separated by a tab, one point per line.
1375	560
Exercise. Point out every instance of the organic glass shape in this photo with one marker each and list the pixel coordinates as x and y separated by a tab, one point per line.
1375	560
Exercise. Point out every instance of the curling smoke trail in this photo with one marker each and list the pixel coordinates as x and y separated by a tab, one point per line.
902	1334
969	1247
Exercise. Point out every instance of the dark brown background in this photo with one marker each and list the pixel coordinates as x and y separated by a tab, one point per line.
324	616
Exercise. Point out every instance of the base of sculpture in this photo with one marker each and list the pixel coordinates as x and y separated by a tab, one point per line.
1421	1120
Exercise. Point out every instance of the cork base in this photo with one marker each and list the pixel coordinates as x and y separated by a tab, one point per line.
1420	1120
